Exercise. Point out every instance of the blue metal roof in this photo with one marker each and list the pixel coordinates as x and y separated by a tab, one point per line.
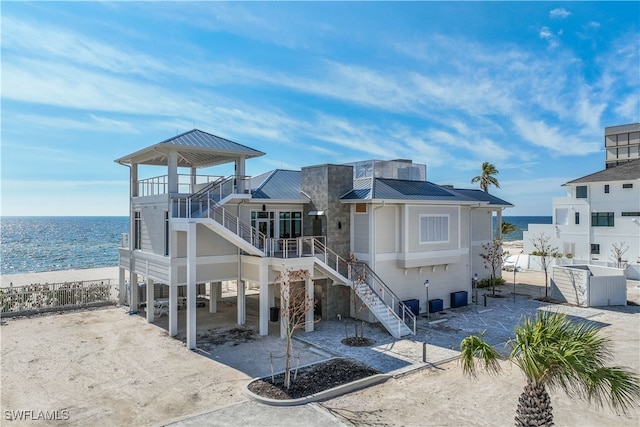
195	149
399	189
278	185
199	139
482	196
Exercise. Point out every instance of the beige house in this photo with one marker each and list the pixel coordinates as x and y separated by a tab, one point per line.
377	229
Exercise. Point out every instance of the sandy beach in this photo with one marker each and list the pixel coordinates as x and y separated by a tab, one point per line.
105	367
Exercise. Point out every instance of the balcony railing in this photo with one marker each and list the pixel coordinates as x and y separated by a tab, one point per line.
187	184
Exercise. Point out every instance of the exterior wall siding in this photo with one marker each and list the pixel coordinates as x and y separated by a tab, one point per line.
361	233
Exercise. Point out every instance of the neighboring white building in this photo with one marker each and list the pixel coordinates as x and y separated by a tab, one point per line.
190	229
600	210
622	143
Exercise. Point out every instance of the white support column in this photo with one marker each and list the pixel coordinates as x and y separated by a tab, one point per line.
309	293
191	286
150	300
134	180
122	286
272	295
172	171
194	172
134	298
264	300
499	224
284	306
173	305
213	296
241	303
219	287
240	171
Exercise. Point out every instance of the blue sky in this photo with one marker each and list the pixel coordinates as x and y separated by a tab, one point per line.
526	86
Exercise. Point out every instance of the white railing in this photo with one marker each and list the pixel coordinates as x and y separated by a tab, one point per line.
204	204
160	184
188	208
40	297
356	272
124	240
361	273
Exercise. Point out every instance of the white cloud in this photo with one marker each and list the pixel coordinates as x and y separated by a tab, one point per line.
558	141
560	13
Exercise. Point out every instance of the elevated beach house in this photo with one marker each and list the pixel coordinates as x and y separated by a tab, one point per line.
601	211
374	229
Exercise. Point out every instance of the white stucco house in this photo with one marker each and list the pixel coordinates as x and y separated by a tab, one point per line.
599	211
378	229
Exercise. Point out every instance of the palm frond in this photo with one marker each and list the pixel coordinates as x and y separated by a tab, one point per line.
474	353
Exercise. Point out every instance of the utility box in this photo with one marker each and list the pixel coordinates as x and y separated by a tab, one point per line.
413	305
459	299
274	314
435	305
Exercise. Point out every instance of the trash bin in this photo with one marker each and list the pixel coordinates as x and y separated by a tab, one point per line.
459	299
413	305
274	314
435	305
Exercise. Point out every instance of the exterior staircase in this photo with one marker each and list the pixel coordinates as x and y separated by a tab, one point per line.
205	206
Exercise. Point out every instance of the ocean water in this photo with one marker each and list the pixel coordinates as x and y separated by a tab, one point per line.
522	222
36	244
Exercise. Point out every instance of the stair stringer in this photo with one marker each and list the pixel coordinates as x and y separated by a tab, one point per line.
385	314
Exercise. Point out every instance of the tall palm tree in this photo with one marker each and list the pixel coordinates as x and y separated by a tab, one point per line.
554	352
487	178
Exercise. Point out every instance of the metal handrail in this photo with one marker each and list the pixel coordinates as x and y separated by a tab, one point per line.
205	206
384	293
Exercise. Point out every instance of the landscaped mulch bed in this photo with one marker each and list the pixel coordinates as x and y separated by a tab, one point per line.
313	379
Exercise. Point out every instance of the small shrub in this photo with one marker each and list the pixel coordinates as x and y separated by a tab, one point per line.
486	283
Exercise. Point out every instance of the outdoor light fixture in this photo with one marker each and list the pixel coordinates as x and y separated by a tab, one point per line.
426	286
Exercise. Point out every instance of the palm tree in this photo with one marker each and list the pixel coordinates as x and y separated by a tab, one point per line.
507	227
487	178
554	352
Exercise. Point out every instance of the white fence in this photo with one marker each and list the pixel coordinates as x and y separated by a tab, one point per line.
51	296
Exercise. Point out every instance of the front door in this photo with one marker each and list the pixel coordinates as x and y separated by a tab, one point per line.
265	226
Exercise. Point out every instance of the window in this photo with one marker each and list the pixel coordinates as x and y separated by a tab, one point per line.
602	219
361	208
137	230
627	185
290	224
166	232
581	192
595	249
630	213
562	216
576	218
434	228
606	188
